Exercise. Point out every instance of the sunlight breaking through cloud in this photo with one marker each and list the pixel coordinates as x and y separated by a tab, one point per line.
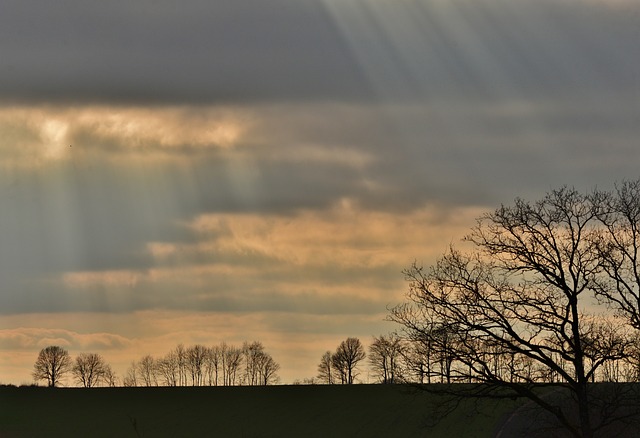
36	135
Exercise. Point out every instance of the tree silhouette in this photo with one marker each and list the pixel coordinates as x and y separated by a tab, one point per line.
514	308
385	354
90	369
52	364
325	368
617	243
346	358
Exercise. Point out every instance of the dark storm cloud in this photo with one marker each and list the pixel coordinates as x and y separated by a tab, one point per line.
477	102
168	51
249	50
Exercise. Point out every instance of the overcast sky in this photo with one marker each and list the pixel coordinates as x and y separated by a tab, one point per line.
197	171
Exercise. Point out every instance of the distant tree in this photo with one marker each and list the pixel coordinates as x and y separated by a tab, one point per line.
339	367
385	355
52	364
212	365
325	368
252	353
89	369
632	361
260	367
147	370
268	370
181	356
231	362
306	381
346	358
196	358
130	379
110	378
168	369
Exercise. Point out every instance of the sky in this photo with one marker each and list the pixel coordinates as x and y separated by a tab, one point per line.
204	172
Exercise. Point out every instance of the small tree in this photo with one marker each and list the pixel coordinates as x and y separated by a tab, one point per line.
268	370
325	368
110	378
52	364
196	359
253	355
89	369
385	354
212	365
131	378
167	367
231	358
346	358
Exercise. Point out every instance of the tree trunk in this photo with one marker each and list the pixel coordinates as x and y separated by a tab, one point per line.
583	409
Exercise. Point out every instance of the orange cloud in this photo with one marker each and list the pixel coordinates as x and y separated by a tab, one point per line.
36	135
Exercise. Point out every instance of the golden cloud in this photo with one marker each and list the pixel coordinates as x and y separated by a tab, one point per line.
38	135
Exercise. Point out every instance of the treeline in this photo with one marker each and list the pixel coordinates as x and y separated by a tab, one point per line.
430	354
196	365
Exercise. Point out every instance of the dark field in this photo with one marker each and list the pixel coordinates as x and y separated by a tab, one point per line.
276	411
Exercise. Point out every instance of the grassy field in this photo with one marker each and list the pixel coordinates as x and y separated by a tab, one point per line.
277	411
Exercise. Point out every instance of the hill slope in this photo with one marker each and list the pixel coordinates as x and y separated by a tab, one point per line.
349	411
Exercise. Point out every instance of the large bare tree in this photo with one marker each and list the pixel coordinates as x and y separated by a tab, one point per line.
515	308
52	364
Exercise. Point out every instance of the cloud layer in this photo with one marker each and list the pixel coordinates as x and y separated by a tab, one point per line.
234	170
245	51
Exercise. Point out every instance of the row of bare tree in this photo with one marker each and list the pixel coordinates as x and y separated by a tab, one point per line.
431	355
342	366
88	369
198	365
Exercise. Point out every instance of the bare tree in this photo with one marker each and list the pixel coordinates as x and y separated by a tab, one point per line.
212	365
522	292
52	364
130	379
259	366
325	368
346	358
339	366
147	370
168	369
268	370
385	355
231	362
252	353
181	356
89	369
196	358
110	378
618	246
